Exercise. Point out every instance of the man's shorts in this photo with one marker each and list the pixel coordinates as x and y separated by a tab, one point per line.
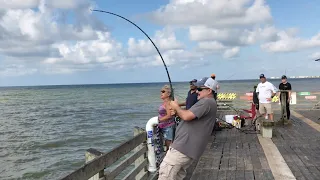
265	107
167	133
174	165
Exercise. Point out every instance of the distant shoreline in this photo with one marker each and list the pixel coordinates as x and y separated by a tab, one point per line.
229	80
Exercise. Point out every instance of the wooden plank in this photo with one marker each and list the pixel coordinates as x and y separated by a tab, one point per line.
154	176
258	174
248	174
111	174
136	131
231	175
222	175
240	175
307	121
267	174
132	174
96	165
279	167
145	176
232	164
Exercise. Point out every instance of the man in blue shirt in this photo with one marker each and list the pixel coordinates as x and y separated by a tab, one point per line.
192	97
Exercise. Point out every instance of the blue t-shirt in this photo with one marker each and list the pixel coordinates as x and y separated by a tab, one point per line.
192	98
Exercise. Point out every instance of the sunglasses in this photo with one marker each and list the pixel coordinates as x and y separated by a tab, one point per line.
200	89
163	91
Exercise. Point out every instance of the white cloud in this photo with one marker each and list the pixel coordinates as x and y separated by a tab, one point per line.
289	42
213	46
18	4
230	53
40	40
16	70
232	36
226	26
25	4
36	35
165	40
220	26
102	50
315	56
214	13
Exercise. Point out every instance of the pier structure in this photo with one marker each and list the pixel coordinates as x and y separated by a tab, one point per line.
291	152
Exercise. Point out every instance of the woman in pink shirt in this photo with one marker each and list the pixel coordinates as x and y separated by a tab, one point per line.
166	120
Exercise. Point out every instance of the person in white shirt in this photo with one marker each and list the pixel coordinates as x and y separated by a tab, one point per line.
216	86
265	91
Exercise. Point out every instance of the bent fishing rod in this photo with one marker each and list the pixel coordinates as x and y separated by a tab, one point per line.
165	66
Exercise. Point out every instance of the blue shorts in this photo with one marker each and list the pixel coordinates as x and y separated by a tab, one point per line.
167	133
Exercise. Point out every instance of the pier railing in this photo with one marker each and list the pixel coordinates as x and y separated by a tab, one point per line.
299	100
127	161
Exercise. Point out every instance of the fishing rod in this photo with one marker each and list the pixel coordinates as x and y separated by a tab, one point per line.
165	66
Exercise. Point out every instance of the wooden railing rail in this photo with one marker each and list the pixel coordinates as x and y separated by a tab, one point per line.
97	162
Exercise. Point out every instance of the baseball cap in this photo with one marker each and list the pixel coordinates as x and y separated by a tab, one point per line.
207	82
284	77
213	75
193	81
262	76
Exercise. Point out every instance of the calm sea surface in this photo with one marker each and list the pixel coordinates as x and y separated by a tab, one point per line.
45	130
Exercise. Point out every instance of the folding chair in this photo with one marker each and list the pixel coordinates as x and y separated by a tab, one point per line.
252	112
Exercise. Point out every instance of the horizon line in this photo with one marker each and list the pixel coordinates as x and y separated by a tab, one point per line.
144	82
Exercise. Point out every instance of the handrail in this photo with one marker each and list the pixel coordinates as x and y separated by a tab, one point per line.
105	160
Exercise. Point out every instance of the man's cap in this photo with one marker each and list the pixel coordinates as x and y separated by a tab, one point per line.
213	75
262	76
207	82
284	77
193	81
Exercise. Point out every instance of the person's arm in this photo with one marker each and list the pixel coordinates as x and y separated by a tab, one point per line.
168	115
197	110
218	86
183	104
273	90
289	91
185	115
278	93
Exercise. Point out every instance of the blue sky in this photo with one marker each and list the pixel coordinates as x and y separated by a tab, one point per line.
63	42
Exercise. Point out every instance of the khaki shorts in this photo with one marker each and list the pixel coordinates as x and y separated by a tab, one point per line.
174	165
263	107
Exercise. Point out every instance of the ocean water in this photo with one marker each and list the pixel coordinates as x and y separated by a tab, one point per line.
45	130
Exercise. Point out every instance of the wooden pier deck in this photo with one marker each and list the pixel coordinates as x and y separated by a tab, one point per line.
232	154
292	153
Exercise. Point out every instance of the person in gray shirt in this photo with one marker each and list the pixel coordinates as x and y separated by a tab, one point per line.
192	134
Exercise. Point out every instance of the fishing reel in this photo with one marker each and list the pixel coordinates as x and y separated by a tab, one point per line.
177	120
